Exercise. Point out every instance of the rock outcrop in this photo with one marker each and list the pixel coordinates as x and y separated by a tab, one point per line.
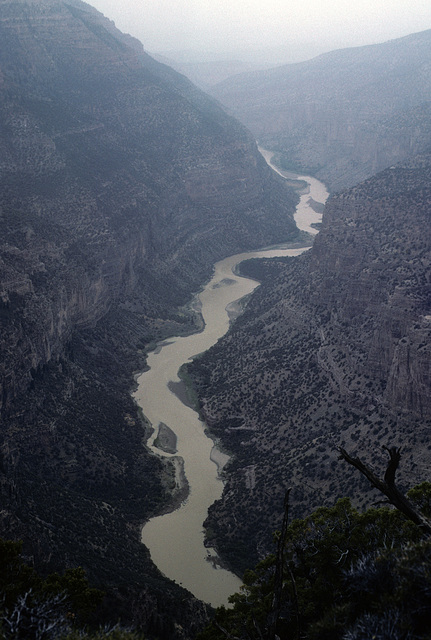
120	185
334	349
111	164
344	115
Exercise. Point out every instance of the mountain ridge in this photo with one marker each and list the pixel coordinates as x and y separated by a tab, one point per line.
42	154
328	115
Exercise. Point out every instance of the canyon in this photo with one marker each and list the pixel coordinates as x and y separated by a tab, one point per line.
121	184
344	115
176	540
333	350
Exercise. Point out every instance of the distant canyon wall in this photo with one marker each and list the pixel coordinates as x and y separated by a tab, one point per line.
344	115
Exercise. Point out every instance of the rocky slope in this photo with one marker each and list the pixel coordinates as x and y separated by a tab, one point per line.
344	115
120	185
94	130
333	350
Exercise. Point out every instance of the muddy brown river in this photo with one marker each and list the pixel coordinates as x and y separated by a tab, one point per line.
176	539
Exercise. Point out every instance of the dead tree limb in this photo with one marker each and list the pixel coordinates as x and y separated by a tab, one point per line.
388	486
279	567
225	632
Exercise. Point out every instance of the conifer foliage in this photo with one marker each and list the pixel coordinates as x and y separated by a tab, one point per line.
58	607
339	574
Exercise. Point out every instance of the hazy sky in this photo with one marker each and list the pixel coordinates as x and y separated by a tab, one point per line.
230	25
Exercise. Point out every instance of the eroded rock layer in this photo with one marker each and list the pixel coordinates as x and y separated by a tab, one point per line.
111	164
333	350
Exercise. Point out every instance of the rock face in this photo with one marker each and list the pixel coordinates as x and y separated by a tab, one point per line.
111	164
344	115
120	185
381	228
333	349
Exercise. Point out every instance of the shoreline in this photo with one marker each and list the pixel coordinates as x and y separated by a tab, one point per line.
183	438
179	389
179	494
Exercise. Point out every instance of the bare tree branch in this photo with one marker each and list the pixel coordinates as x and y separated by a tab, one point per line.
279	565
388	486
393	464
225	632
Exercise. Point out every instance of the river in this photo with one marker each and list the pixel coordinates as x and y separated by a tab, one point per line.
176	539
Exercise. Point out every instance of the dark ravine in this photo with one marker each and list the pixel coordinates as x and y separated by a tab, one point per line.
120	185
334	349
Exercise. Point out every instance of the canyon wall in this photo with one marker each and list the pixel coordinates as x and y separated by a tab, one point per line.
111	165
344	115
120	185
332	350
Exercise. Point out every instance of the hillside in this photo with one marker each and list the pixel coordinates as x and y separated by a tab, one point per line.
120	185
333	350
344	115
207	72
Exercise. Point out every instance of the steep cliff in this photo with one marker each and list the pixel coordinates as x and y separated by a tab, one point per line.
344	115
112	164
333	349
120	185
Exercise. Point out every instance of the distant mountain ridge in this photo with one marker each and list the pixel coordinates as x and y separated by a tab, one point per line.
206	74
344	115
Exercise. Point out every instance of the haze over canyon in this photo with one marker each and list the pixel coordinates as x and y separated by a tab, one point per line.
121	184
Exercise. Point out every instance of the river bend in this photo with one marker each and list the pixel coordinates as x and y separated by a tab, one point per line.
176	539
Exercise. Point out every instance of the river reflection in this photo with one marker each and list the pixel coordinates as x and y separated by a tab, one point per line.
176	539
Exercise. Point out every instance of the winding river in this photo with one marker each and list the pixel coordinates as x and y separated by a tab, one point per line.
176	539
